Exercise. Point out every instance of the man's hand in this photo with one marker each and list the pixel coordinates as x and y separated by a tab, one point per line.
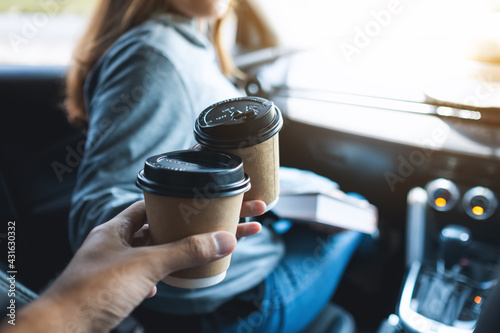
114	271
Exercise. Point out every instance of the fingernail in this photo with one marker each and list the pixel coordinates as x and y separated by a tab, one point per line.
224	242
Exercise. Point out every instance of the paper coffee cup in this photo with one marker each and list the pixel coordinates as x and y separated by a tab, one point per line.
247	127
192	192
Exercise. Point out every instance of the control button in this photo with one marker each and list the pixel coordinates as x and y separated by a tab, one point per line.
479	203
477	210
442	194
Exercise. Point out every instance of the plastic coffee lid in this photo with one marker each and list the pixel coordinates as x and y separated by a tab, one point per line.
194	173
238	123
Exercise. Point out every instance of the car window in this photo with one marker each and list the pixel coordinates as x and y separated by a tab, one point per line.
371	39
34	32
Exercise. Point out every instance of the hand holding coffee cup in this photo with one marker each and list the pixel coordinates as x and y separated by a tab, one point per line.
192	192
247	127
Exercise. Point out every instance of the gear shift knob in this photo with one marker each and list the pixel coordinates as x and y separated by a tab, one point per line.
453	240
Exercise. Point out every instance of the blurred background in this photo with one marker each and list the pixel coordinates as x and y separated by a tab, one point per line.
365	85
364	42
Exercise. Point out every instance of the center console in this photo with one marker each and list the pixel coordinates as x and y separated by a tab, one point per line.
451	270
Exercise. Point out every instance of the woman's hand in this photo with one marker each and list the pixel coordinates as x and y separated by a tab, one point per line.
250	208
113	272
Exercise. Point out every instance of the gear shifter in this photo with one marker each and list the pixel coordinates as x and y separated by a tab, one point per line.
443	292
453	241
440	297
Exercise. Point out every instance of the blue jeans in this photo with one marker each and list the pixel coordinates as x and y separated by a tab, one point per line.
288	299
300	287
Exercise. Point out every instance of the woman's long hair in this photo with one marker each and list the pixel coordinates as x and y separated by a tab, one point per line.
110	20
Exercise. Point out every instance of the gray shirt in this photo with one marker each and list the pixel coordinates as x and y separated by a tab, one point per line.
142	98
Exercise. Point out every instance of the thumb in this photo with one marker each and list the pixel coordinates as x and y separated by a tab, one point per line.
191	251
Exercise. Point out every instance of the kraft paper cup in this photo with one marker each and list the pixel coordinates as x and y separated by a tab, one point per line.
192	192
248	127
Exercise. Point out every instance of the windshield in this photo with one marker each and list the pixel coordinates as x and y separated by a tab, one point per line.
395	48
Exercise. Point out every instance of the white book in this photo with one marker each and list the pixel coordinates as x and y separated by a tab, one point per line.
333	208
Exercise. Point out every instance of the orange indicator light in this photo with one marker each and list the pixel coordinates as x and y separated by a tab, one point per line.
440	202
477	299
478	210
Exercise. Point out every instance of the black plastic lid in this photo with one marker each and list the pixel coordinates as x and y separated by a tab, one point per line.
238	123
194	173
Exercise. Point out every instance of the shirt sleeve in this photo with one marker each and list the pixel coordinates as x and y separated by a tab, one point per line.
138	107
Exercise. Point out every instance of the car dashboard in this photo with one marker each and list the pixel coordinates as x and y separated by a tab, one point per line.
432	170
